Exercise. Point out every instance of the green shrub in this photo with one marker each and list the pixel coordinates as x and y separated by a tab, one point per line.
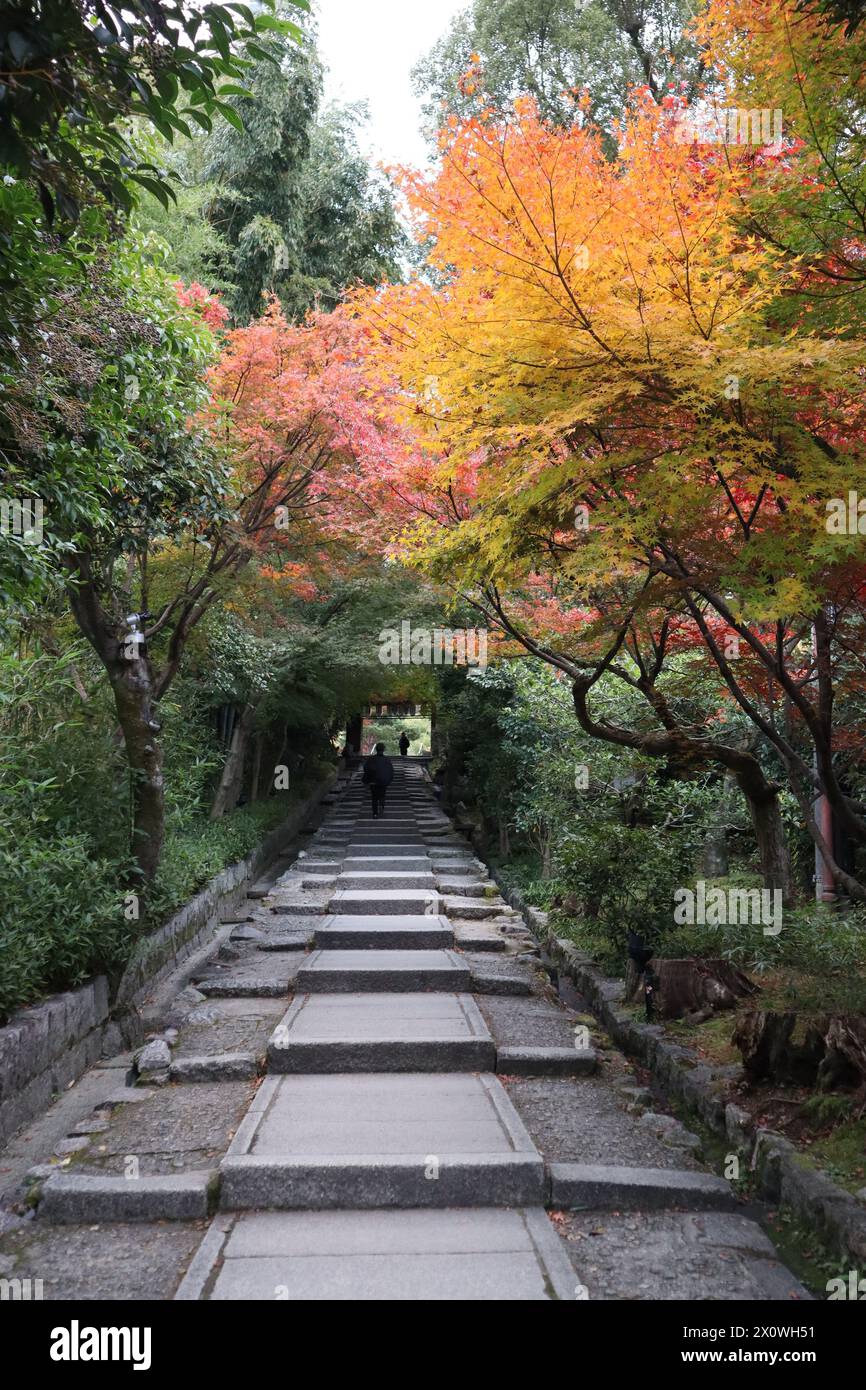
194	855
62	908
61	918
624	877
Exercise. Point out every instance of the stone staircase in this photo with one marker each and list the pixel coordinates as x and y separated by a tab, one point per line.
381	1126
377	1153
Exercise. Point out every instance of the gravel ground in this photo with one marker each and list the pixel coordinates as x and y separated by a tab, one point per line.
240	1025
135	1260
666	1255
581	1120
532	1022
179	1128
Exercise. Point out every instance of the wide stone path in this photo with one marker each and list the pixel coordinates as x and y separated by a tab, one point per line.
371	1093
382	1157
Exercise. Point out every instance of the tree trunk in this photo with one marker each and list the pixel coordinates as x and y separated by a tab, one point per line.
772	842
231	781
845	1037
547	857
632	983
684	751
132	684
255	774
763	1039
715	858
279	760
504	845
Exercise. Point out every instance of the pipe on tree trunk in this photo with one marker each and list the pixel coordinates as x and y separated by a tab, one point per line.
132	687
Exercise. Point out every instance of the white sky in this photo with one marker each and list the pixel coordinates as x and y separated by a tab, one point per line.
369	48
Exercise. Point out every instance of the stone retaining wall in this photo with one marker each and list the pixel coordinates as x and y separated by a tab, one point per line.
46	1046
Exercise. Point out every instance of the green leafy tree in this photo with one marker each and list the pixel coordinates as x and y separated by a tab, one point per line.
350	231
73	71
851	13
256	170
547	49
297	205
100	432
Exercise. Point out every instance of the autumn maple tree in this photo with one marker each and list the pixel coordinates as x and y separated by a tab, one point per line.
634	409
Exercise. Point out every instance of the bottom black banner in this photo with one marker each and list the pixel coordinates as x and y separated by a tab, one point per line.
225	1338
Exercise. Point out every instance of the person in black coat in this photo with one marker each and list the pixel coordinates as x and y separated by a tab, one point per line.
378	776
404	744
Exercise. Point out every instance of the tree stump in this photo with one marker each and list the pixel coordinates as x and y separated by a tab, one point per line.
769	1053
698	986
763	1039
845	1037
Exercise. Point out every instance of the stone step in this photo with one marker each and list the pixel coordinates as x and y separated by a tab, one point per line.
466	872
378	863
387	822
358	802
597	1187
473	908
381	1140
477	939
290	906
381	971
75	1197
546	1061
470	1255
494	982
286	941
421	902
217	1066
241	986
363	1033
384	933
394	844
465	887
375	850
378	834
387	878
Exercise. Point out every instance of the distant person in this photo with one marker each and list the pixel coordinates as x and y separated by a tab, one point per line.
404	744
378	776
